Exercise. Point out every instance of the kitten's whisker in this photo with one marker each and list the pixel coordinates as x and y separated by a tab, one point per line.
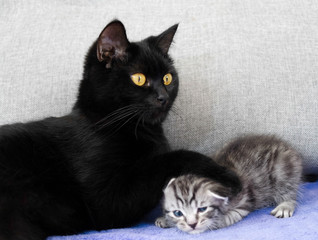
210	228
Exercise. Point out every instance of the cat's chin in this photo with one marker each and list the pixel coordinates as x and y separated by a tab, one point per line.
156	117
196	231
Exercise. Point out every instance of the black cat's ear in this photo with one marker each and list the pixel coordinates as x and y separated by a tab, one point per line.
164	40
112	43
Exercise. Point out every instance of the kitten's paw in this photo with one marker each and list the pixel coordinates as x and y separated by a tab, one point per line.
284	210
161	222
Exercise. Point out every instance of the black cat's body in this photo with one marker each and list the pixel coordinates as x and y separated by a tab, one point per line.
103	165
57	168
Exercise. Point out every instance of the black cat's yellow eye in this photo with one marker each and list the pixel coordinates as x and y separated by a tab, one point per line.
139	79
167	79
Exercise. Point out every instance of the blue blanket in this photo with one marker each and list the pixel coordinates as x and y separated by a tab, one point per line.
258	225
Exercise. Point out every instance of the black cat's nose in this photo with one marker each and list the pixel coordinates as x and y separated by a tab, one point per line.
162	100
193	225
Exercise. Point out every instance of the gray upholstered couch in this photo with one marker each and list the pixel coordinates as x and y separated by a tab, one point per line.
246	66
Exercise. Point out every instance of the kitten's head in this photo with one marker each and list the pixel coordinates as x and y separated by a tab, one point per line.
136	79
194	204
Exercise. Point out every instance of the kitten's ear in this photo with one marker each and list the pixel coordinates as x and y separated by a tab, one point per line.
171	181
164	40
166	190
112	43
219	200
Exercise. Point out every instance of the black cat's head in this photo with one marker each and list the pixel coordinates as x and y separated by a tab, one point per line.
129	80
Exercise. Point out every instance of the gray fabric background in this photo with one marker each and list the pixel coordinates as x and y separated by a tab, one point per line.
245	66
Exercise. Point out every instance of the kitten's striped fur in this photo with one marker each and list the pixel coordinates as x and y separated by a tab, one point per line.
269	169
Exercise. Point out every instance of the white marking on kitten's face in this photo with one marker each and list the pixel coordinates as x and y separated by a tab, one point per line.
191	207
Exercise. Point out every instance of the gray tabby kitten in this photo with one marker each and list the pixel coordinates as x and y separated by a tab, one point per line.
270	172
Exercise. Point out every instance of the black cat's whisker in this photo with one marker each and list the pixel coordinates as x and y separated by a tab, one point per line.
117	111
138	121
118	117
115	116
175	110
129	119
143	120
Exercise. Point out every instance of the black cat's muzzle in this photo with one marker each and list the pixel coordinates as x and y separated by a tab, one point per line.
159	113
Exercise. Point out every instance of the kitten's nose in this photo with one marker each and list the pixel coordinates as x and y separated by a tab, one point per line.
193	225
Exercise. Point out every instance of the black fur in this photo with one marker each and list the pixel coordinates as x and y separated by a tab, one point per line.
104	165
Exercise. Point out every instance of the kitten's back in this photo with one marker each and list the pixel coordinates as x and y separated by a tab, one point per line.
265	164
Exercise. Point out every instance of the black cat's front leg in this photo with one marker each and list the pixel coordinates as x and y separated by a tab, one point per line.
140	189
181	162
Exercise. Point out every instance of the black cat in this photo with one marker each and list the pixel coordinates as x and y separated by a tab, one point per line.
104	165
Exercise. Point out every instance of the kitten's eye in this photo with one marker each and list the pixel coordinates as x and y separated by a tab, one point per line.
138	78
202	209
177	213
167	79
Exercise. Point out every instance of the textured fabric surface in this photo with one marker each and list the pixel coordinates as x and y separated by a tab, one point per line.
245	66
258	225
